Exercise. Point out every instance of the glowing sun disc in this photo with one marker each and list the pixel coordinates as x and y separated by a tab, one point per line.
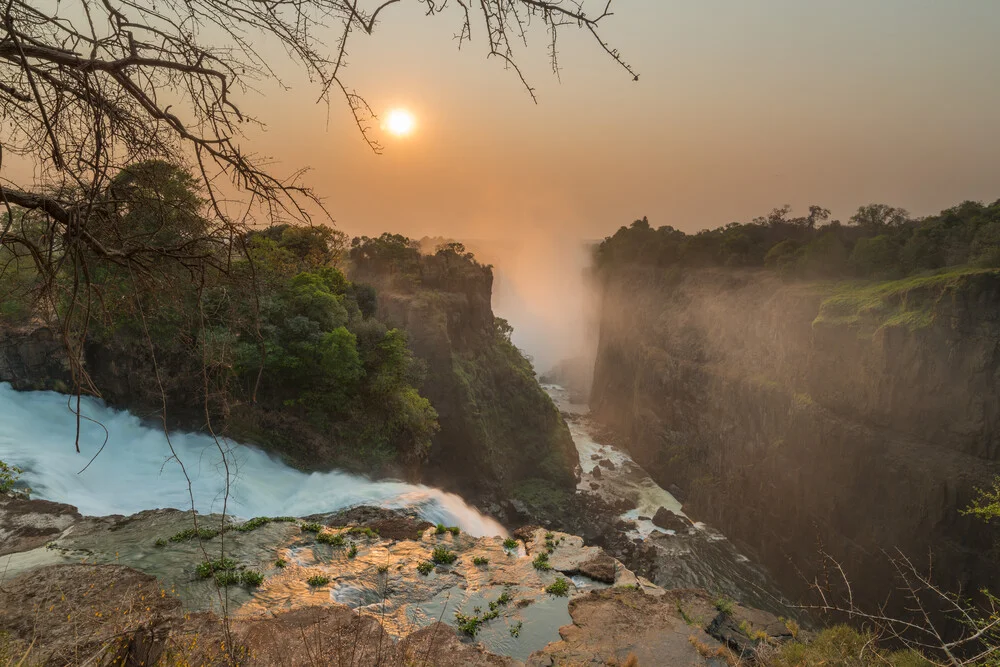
400	122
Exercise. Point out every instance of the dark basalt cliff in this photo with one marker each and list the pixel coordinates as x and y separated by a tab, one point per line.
805	417
499	430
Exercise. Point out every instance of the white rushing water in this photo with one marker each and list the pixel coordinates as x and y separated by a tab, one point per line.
135	471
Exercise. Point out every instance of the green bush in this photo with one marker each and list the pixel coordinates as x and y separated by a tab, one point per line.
559	587
442	556
480	560
9	476
210	567
510	543
425	567
318	580
845	647
251	578
541	562
333	539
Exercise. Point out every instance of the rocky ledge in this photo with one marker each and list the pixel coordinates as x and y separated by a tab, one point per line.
361	587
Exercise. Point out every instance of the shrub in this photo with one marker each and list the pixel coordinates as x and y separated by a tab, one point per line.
251	578
333	539
425	567
559	587
510	543
192	533
442	556
210	567
480	560
353	551
370	533
260	521
515	629
311	527
441	529
9	475
280	563
724	605
318	580
226	578
541	562
160	542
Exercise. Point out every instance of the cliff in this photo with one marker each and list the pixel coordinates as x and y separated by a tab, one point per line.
801	417
500	433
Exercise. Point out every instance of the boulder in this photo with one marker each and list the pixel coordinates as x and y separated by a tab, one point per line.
667	520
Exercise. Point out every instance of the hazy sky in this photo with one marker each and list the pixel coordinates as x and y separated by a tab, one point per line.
741	107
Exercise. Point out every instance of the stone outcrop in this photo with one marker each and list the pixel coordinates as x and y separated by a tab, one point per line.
498	427
345	593
797	417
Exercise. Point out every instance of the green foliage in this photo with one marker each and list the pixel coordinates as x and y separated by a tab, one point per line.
369	533
908	302
192	533
509	543
311	527
480	560
318	580
9	476
724	605
441	529
986	505
227	578
335	540
515	629
260	521
210	567
425	567
559	587
160	542
442	556
352	551
280	563
879	242
541	562
846	647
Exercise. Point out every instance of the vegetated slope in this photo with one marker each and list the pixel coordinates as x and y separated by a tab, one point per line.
500	434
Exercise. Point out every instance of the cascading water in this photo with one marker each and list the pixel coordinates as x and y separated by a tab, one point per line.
135	471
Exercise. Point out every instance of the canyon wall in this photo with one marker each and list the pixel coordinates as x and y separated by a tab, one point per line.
806	418
501	435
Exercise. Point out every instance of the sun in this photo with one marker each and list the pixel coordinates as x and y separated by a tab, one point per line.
399	122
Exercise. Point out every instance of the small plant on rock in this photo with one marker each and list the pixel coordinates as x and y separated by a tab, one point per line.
210	567
724	605
280	563
510	543
515	629
541	562
480	560
425	567
318	580
311	527
353	551
251	578
333	539
559	587
226	578
442	556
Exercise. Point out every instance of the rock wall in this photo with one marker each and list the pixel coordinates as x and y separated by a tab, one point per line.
799	418
499	429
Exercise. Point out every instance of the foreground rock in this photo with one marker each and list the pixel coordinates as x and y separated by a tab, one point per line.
130	590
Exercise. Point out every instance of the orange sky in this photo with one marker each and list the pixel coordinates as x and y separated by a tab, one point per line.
740	107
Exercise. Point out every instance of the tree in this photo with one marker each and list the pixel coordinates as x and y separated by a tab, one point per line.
89	89
877	217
